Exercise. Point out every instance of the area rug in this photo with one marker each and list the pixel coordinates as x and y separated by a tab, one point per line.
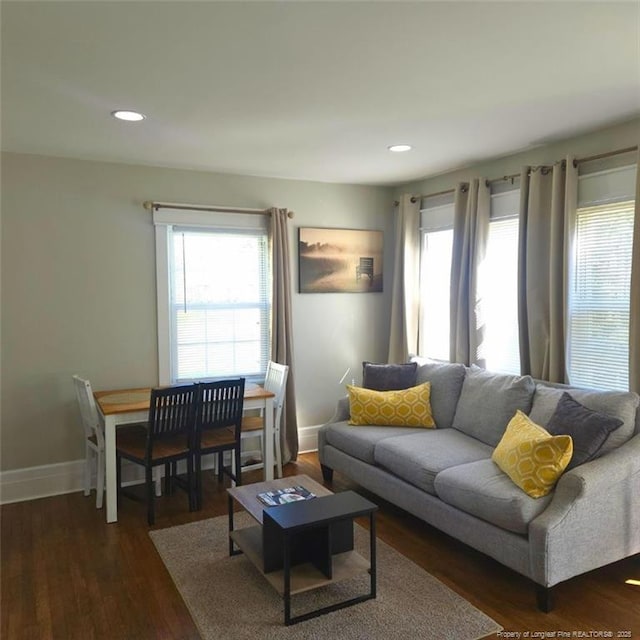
229	599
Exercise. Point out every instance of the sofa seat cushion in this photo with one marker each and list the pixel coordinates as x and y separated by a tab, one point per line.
481	489
446	382
360	442
615	404
489	400
418	458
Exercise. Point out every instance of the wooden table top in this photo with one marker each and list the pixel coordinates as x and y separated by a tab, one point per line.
247	494
129	400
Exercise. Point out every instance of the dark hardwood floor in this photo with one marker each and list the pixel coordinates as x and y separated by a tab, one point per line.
66	574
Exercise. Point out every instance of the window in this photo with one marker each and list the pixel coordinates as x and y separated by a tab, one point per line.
436	227
598	345
435	279
599	279
213	297
498	282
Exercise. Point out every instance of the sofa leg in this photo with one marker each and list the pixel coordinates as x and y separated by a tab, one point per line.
327	473
544	596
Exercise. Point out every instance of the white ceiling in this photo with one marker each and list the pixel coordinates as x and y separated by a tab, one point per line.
313	90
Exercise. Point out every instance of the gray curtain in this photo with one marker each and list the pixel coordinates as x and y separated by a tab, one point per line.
472	205
634	306
405	294
282	327
548	198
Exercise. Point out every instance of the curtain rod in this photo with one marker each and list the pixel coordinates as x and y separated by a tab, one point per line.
150	205
513	176
607	154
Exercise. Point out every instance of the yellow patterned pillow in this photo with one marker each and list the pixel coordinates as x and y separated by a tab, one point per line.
531	456
404	408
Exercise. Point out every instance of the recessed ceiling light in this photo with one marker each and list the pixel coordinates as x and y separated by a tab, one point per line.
129	116
399	148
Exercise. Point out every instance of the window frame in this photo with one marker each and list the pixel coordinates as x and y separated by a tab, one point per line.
165	221
596	187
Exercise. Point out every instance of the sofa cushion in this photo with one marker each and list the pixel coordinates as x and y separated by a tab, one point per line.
481	489
418	458
401	408
588	429
616	404
388	377
532	458
446	383
488	401
360	442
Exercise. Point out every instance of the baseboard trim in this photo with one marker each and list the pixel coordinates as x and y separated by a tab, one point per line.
58	479
308	438
49	480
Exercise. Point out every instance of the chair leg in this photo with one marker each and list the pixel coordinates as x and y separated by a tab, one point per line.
158	481
100	471
168	478
220	466
198	481
237	464
190	487
148	474
278	452
88	457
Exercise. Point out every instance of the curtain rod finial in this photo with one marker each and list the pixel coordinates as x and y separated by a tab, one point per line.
290	214
148	205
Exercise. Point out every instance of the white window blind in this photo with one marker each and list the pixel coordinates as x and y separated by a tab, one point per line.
435	279
436	227
219	303
598	340
498	283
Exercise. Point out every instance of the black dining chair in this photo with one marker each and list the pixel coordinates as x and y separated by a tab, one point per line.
219	428
169	436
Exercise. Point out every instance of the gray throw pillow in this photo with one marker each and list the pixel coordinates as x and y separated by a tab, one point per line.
588	429
388	377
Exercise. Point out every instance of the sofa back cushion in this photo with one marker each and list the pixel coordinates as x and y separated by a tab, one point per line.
446	383
615	404
488	401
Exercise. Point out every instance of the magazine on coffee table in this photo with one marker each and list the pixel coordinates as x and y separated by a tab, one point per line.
284	496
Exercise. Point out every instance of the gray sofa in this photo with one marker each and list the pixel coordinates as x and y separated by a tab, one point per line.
446	477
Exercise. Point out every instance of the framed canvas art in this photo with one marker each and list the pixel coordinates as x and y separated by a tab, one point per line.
339	260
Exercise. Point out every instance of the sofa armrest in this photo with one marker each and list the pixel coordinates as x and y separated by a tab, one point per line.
593	519
340	415
342	411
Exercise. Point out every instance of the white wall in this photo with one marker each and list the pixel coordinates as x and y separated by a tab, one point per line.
620	136
78	289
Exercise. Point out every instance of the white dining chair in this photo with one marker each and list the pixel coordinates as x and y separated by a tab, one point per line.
252	426
94	438
94	441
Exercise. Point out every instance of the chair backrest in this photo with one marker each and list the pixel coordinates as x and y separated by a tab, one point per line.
172	411
220	405
276	382
87	407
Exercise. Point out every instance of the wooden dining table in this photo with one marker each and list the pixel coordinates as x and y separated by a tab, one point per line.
126	406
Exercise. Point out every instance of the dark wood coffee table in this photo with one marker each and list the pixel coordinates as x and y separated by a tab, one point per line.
304	545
